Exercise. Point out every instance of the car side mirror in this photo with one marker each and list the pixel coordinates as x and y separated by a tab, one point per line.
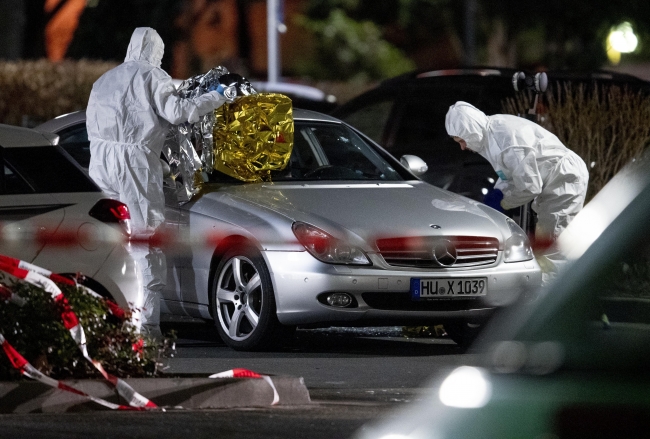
414	164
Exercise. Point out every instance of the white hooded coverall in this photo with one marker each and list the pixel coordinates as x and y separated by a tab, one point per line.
129	113
531	162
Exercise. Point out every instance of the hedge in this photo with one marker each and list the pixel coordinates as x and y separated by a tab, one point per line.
37	332
32	92
606	125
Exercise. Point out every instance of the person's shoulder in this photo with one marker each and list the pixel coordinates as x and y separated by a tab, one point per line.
160	74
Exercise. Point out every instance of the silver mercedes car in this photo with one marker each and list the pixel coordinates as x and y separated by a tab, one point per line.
346	235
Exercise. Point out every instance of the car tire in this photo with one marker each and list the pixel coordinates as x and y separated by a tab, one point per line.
243	302
462	332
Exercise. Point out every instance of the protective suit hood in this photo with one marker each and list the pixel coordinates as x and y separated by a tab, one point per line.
146	45
469	123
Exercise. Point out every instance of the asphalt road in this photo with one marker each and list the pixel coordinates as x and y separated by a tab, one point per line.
335	358
353	375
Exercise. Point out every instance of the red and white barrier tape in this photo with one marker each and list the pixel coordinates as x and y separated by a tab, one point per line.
44	279
65	238
71	322
26	369
245	373
113	307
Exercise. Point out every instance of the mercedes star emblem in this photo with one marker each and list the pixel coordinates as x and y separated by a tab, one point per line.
444	253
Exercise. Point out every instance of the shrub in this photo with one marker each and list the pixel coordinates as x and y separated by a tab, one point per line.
37	332
606	125
347	49
32	92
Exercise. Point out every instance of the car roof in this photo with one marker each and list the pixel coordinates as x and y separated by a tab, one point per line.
63	121
67	120
297	90
300	114
480	71
13	137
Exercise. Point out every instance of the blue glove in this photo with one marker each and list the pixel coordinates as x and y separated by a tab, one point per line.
493	199
228	92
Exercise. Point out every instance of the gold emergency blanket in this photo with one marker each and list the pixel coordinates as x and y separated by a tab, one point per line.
253	136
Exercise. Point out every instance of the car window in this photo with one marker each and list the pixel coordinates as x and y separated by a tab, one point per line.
74	134
333	152
12	183
42	169
371	119
74	141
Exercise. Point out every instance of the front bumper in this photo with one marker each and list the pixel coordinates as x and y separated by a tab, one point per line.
382	292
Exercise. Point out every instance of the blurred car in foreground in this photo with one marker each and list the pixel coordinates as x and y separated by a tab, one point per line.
52	215
345	235
573	363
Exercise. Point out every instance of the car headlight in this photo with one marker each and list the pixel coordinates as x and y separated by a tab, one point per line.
326	248
517	247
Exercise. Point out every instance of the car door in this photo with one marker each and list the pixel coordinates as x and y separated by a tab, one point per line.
172	248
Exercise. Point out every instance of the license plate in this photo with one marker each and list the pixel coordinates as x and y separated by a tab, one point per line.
448	287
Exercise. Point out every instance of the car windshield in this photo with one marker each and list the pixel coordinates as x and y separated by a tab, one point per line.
330	151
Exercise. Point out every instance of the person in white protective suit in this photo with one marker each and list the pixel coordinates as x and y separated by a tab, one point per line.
129	113
532	165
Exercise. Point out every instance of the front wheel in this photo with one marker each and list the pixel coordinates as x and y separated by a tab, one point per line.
243	302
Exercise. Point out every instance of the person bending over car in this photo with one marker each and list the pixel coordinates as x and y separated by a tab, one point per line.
129	113
532	165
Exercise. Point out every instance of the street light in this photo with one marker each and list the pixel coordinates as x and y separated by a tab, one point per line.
621	39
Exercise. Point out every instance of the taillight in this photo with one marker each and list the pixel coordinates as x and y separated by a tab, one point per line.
112	211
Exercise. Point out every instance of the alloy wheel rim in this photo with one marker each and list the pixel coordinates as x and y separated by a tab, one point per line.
239	298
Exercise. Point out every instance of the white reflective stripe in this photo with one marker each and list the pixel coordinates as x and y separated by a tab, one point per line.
79	337
33	373
128	393
226	374
231	374
276	397
41	281
31	267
